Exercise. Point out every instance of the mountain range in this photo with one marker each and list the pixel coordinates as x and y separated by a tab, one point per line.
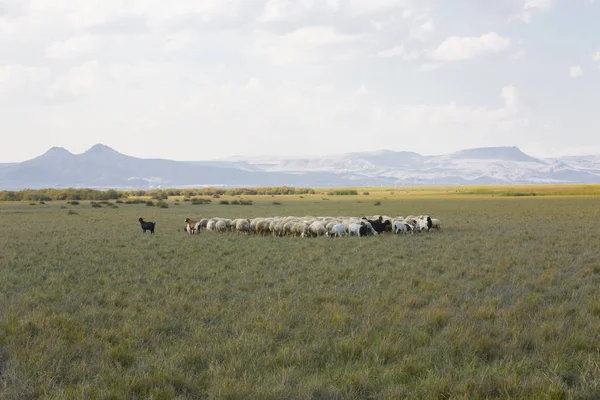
104	167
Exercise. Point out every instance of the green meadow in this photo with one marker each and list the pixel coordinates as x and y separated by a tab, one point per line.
504	302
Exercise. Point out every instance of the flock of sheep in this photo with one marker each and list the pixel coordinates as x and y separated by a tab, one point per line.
315	226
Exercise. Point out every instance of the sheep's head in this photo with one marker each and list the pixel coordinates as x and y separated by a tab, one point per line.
141	219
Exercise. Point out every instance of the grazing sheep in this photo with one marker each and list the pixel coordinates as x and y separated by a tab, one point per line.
358	229
242	226
147	226
424	223
403	227
262	226
221	226
211	226
317	229
338	230
330	224
301	229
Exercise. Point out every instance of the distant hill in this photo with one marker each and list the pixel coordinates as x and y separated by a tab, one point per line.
104	167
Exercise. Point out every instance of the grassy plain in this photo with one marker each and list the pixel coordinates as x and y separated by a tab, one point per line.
503	303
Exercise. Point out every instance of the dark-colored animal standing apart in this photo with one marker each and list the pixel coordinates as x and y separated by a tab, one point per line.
147	226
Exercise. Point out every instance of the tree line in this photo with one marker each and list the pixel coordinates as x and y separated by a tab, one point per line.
157	194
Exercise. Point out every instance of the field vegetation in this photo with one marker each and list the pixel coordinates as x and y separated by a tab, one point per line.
504	302
73	194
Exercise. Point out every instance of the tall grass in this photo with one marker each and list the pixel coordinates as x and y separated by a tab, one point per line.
503	303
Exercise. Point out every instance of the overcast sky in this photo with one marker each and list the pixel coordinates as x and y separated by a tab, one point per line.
204	79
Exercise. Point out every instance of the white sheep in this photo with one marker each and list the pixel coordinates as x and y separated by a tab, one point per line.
317	229
338	230
242	226
403	227
211	226
221	226
355	229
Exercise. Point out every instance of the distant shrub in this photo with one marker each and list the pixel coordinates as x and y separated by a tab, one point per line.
176	200
216	196
42	202
366	193
325	199
96	205
246	202
162	204
276	203
177	204
33	204
63	207
329	193
377	203
345	193
71	212
150	203
301	197
186	199
224	202
119	201
519	194
235	203
198	201
73	202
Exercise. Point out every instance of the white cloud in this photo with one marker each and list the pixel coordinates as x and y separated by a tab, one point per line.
532	6
423	31
72	47
78	81
377	6
429	67
597	56
457	48
510	94
279	9
452	123
15	75
519	54
253	84
179	40
398	51
96	12
309	44
575	71
362	90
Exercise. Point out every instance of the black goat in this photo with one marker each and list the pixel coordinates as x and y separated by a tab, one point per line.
379	225
364	230
147	226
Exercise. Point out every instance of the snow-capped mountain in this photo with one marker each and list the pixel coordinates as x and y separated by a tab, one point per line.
103	167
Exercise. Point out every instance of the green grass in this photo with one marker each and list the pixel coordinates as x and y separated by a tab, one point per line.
503	303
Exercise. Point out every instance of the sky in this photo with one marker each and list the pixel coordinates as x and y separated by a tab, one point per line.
206	79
